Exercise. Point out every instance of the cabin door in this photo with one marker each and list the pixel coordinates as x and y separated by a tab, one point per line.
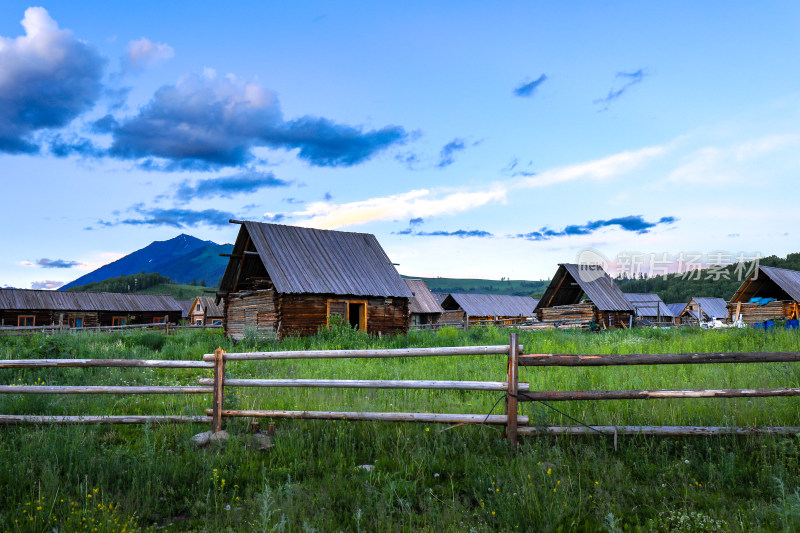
357	315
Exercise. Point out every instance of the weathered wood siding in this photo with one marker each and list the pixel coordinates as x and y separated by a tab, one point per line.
752	312
454	317
304	314
580	313
251	309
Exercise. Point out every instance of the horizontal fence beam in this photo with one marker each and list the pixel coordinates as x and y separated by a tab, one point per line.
663	431
368	384
431	418
100	389
365	354
657	359
90	363
122	419
563	396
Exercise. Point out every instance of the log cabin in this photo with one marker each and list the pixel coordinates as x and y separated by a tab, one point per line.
579	295
205	311
22	307
288	280
767	293
471	309
423	307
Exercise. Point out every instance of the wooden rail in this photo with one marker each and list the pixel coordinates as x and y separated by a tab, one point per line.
52	329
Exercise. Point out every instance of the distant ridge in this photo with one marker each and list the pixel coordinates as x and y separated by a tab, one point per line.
183	259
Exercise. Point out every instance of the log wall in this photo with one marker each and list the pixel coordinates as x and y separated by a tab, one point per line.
251	309
752	312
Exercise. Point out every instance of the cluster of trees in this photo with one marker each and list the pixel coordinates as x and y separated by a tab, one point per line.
719	282
132	283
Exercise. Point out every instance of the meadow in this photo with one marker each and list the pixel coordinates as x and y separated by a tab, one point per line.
421	477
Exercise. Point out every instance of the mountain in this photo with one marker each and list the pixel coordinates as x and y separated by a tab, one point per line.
183	259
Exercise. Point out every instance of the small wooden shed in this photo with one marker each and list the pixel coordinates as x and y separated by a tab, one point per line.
766	294
288	280
650	307
468	308
205	310
423	307
581	294
22	307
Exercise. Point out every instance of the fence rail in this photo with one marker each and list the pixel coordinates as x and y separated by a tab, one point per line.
515	391
52	329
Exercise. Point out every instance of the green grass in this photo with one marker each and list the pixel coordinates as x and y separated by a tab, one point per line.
425	477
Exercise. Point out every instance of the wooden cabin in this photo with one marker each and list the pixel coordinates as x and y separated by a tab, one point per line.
21	307
706	309
650	308
469	309
581	294
288	280
186	307
677	312
423	307
768	293
205	311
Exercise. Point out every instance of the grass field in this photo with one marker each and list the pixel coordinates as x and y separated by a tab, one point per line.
425	477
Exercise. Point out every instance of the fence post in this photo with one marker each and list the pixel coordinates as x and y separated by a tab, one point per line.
512	381
219	376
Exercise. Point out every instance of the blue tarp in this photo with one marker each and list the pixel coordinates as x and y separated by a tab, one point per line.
761	301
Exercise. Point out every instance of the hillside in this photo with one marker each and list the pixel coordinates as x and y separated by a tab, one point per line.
486	286
144	283
184	259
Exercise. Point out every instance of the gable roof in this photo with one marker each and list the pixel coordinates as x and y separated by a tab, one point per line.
186	307
440	296
212	309
572	281
491	304
787	280
423	300
24	299
716	307
312	261
646	304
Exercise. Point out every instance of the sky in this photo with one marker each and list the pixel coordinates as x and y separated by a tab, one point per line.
474	139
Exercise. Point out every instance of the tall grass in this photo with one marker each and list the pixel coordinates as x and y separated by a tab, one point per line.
425	477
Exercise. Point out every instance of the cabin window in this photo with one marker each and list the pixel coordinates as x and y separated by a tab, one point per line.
75	322
160	320
198	322
26	320
119	321
216	323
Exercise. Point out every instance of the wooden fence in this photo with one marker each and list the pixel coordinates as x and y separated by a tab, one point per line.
515	391
51	329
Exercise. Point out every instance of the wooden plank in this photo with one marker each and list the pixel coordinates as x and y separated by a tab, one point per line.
368	384
512	375
369	354
100	389
664	431
431	418
657	359
564	396
88	363
219	388
125	419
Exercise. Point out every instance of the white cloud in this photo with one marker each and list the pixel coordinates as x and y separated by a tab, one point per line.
145	53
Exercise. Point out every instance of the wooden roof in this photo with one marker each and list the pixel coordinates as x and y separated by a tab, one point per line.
647	304
571	282
311	261
211	307
491	304
769	282
23	299
716	307
423	300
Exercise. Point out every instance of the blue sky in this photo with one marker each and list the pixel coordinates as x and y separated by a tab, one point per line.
474	139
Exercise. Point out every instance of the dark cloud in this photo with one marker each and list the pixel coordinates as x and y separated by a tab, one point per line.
527	89
446	155
56	263
48	77
174	217
293	201
416	222
275	217
66	145
227	186
630	79
206	122
46	284
635	224
327	197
